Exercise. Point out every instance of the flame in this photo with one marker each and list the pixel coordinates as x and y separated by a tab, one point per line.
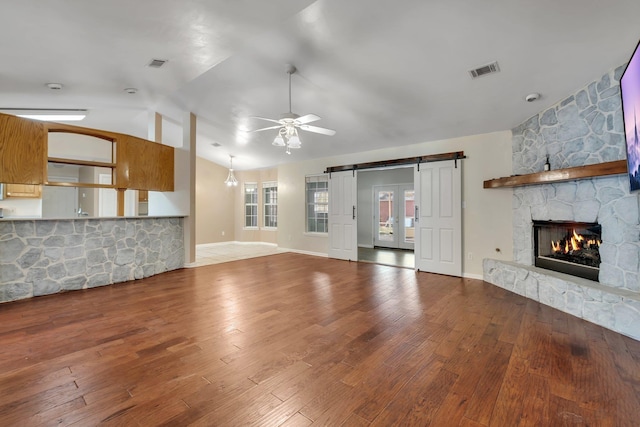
575	243
577	236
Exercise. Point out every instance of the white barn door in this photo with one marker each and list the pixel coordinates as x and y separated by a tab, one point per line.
343	229
438	217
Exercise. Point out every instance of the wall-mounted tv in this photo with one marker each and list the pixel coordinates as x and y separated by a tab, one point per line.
630	90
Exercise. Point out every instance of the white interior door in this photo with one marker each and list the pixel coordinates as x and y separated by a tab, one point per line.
343	230
59	202
439	217
107	198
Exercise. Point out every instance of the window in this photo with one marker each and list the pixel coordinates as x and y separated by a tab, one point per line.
250	205
317	195
270	204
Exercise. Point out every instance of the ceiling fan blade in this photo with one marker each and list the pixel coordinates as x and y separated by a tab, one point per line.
270	127
307	119
317	129
264	118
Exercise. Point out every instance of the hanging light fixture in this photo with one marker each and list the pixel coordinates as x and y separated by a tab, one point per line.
288	137
231	178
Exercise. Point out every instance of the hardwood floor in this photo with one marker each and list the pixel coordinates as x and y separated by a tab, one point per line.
296	340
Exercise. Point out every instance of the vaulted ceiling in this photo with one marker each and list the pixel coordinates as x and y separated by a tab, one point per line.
380	72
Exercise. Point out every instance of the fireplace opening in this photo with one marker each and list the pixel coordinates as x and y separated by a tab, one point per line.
568	247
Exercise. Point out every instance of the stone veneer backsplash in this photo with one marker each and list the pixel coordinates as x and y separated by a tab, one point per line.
585	128
40	257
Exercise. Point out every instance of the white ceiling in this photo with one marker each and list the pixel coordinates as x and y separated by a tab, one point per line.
380	72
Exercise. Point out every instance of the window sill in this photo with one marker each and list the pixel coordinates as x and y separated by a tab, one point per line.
250	228
269	228
315	234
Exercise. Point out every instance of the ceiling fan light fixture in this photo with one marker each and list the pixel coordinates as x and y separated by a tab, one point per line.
279	141
294	142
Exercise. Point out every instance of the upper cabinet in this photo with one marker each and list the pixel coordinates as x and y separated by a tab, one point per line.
23	150
28	191
33	152
144	165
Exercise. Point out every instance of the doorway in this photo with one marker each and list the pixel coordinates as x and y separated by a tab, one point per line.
393	216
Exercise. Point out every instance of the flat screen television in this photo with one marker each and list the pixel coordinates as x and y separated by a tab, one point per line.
630	91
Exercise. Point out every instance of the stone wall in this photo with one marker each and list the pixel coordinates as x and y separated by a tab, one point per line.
585	128
40	257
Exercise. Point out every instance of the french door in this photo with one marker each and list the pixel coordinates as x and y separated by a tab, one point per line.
393	216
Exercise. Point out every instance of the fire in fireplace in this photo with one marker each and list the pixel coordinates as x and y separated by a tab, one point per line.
568	247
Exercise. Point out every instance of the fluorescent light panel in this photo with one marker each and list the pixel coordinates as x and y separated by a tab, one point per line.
52	115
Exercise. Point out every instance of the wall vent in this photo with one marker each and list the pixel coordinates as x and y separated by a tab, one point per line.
157	63
484	70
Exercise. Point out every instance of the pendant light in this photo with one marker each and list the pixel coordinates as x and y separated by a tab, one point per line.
231	178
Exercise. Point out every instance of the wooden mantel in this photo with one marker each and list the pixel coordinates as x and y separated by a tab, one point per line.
568	174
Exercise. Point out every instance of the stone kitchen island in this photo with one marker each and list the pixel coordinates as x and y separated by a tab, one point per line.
46	256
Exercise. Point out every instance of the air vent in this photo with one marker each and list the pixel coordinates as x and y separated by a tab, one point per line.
484	70
157	63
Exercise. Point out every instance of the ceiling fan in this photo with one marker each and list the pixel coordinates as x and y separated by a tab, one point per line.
289	123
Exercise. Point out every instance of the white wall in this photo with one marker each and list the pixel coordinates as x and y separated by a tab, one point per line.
487	219
366	181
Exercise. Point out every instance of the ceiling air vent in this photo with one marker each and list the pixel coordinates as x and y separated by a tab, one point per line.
484	70
157	63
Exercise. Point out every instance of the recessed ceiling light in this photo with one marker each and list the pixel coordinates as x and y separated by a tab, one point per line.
131	90
532	97
54	86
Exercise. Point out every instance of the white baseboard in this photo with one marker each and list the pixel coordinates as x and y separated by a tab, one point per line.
234	242
298	251
365	246
472	276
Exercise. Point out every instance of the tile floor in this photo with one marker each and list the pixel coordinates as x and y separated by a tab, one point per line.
216	253
394	257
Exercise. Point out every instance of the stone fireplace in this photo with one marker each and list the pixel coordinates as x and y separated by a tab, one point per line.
585	128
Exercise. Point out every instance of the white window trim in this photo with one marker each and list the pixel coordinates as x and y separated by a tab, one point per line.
306	232
268	184
244	206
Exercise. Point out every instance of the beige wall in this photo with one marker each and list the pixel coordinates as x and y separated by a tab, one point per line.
215	204
487	216
254	235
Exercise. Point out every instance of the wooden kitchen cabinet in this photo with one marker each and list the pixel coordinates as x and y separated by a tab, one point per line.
31	191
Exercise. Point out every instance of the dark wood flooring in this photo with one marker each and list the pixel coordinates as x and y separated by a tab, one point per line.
296	340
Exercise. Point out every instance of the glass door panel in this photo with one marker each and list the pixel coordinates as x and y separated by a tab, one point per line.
408	218
386	217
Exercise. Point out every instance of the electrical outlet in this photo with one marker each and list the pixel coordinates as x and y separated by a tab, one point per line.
223	232
470	256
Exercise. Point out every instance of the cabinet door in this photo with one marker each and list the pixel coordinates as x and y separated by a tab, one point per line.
23	190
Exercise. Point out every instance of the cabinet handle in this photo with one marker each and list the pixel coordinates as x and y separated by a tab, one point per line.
354	212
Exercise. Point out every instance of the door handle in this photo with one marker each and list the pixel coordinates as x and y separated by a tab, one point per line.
354	212
416	217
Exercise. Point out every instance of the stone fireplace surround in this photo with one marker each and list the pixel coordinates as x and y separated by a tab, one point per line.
585	128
